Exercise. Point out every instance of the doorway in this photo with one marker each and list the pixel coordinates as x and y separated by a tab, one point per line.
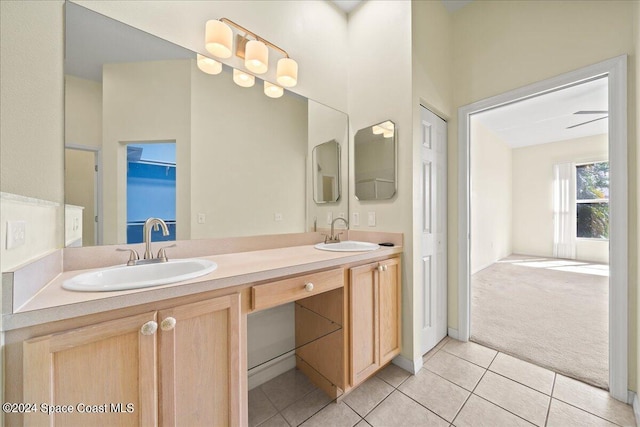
615	70
82	189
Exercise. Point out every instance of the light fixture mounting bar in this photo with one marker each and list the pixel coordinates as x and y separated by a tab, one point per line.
257	37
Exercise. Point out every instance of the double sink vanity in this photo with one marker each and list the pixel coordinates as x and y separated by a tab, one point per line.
176	354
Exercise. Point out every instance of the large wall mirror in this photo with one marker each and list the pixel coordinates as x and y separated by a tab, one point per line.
375	161
211	158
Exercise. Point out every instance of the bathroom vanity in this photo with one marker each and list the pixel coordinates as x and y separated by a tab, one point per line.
177	354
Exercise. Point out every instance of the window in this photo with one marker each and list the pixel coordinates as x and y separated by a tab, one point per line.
592	200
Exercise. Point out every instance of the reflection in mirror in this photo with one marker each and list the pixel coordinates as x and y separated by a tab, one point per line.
241	158
375	162
326	179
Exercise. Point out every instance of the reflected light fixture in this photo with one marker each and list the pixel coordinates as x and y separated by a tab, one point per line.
255	52
272	91
385	129
243	79
208	65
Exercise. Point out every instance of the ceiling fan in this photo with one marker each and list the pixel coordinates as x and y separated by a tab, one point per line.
590	112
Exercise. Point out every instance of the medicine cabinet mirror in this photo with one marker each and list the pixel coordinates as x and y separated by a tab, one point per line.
326	172
375	161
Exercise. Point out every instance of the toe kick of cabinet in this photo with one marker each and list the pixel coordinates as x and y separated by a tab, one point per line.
283	291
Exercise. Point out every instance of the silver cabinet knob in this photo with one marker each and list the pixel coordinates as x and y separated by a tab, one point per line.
149	328
308	287
380	269
168	324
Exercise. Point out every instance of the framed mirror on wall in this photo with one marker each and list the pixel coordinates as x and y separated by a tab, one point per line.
242	159
375	167
326	172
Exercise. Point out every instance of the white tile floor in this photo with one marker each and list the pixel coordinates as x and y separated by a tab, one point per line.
461	384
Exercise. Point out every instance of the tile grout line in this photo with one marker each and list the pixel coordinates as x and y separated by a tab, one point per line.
585	410
487	400
546	419
474	388
523	384
411	398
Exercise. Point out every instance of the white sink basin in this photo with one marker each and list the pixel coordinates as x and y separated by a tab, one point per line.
125	277
347	246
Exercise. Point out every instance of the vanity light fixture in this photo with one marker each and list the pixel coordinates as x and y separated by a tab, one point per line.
243	79
272	91
255	52
208	65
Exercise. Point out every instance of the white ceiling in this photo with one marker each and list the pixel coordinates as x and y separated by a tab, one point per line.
545	118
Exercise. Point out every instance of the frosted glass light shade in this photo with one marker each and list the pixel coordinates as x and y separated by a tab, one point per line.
218	38
287	72
377	129
256	57
208	65
273	91
387	133
243	79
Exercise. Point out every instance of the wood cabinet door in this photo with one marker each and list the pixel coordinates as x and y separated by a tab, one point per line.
390	288
200	363
363	325
104	375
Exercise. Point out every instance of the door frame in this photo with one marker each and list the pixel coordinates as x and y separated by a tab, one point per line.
616	71
98	234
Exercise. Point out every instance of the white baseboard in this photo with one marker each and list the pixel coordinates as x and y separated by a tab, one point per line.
453	333
633	400
271	369
411	366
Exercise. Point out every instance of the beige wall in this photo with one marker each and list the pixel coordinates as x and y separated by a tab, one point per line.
242	175
533	195
491	197
635	256
79	190
379	89
145	101
83	112
499	46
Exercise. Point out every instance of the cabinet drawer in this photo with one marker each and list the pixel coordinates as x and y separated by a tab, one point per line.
287	290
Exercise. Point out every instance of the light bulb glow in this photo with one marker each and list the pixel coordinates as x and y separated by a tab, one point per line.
287	72
208	65
387	133
377	129
243	79
273	91
256	57
218	38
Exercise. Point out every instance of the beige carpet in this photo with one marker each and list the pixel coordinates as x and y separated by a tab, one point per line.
551	312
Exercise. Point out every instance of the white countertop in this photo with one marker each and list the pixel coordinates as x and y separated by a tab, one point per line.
53	303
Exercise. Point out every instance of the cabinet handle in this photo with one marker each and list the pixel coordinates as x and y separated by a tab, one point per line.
384	268
149	328
380	268
168	324
308	287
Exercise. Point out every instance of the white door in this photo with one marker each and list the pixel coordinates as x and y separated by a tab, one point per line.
434	229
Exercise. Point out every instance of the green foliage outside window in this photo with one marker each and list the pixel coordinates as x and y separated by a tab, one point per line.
592	196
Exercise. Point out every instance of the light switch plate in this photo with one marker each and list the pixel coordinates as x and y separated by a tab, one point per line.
371	219
329	217
355	218
277	216
202	218
16	233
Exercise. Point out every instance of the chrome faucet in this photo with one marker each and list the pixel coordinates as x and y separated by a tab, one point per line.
155	224
335	238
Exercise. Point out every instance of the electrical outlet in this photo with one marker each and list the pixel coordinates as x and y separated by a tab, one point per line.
329	217
355	218
277	216
16	233
371	219
202	218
